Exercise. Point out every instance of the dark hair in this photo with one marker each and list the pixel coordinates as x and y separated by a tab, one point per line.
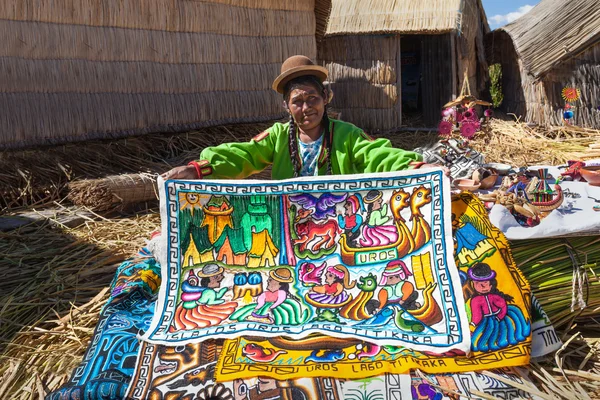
494	283
204	282
293	143
374	193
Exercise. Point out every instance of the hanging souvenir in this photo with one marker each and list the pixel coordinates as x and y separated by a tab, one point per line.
460	114
570	95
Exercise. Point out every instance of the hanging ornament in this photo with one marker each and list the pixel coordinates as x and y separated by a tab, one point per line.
445	128
468	129
469	115
568	114
448	112
460	113
571	94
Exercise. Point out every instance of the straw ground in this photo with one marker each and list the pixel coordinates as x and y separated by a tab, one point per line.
55	278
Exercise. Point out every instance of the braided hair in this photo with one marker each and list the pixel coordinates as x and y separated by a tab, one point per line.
292	141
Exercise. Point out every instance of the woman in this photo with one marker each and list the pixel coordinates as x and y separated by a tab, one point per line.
376	232
202	305
309	144
276	305
332	294
497	324
351	221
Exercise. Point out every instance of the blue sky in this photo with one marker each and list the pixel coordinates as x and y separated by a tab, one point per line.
501	12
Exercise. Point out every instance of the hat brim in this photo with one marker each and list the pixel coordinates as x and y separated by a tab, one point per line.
477	278
281	279
314	70
202	275
374	199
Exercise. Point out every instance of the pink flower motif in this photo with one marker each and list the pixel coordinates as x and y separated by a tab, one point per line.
445	128
488	113
469	115
448	112
468	129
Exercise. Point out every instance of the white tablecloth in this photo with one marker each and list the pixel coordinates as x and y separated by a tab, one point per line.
573	216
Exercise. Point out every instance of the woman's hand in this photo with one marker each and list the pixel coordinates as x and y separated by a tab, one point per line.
183	172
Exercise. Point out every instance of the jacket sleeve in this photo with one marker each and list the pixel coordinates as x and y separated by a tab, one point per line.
378	155
240	160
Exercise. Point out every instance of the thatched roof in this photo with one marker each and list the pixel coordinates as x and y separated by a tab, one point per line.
395	16
83	69
554	30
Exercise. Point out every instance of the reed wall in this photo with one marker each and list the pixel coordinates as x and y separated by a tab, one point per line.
363	74
82	69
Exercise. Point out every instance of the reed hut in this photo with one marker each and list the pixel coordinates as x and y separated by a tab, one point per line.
553	46
388	58
88	69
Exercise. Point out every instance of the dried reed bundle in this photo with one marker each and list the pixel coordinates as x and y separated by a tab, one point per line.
563	276
38	177
519	144
117	191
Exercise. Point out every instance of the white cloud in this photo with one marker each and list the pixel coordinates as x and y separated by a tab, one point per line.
499	20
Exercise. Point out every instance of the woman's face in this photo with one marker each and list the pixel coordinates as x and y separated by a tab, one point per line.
482	287
348	208
307	106
377	204
273	285
215	280
329	278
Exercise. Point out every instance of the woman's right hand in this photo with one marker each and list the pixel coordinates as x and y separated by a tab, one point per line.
182	172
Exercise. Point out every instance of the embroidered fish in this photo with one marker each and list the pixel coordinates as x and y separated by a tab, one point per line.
258	353
382	318
327	356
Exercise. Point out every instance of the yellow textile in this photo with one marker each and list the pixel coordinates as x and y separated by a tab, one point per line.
500	339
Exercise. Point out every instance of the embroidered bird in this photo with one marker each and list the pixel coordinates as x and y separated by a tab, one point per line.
323	206
310	274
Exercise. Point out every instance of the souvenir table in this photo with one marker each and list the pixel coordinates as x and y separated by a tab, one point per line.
576	216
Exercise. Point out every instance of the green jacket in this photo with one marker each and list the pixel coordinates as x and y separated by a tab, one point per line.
354	152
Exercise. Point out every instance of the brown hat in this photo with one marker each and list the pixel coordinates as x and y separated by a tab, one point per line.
296	66
281	275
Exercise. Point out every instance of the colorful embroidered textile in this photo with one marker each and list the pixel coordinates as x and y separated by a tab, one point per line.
187	372
269	259
498	303
110	359
471	385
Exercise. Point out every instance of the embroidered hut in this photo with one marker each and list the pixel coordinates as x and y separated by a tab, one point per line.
256	218
197	249
217	216
230	247
554	46
263	251
77	70
392	58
